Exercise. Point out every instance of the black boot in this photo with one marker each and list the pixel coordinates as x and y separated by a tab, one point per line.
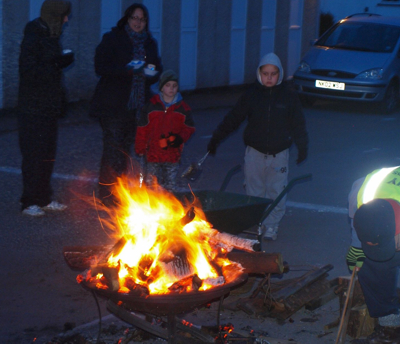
381	335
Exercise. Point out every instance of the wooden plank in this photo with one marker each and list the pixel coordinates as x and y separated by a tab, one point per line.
302	282
80	258
132	319
360	323
296	301
135	320
325	298
258	262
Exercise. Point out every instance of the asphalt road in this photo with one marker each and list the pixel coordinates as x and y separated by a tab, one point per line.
39	293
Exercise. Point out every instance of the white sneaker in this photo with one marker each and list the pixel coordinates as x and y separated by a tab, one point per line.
33	210
55	206
271	233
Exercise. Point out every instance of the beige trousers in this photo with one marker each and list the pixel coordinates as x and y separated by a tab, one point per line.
266	176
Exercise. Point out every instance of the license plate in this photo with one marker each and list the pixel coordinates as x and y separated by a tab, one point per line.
330	84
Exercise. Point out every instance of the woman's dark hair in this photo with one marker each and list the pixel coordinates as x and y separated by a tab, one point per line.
53	13
128	13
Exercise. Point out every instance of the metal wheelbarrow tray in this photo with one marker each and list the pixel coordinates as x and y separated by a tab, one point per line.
231	212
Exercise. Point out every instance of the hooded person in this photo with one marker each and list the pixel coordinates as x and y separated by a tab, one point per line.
274	120
41	102
270	59
374	210
165	125
53	13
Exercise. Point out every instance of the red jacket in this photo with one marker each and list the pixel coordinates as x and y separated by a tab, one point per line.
157	120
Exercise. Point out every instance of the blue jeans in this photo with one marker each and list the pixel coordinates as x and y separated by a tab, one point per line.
378	281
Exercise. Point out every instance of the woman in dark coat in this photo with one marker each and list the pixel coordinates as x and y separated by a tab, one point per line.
122	91
41	102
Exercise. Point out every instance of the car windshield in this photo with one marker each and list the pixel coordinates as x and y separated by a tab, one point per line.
361	36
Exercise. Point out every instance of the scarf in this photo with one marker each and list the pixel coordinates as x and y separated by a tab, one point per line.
137	96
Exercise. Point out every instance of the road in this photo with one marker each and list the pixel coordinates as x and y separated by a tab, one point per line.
39	293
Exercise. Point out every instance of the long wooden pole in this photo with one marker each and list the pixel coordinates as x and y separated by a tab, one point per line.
346	314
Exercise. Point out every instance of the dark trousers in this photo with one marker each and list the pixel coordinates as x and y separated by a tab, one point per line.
165	173
38	145
118	138
378	281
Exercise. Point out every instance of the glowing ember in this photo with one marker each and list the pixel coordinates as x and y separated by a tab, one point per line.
163	246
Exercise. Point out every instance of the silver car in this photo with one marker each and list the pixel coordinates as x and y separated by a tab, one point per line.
357	59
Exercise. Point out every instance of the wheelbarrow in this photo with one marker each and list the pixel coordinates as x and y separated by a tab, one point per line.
234	213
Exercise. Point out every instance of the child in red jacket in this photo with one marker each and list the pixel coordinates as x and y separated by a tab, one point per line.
166	123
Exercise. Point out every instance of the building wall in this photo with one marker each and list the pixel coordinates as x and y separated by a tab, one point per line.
1	54
210	43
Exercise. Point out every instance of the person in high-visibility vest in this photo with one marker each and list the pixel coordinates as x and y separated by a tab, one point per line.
374	210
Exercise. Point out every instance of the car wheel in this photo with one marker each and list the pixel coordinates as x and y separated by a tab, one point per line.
306	101
391	99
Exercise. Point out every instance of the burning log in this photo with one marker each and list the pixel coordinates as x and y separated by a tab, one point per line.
258	262
137	288
144	266
231	241
98	269
190	215
230	271
178	265
80	258
115	250
192	282
111	276
215	281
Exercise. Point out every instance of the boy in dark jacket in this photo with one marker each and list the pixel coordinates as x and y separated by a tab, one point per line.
165	125
274	121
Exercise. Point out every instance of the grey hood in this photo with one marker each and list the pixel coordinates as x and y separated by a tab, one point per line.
272	59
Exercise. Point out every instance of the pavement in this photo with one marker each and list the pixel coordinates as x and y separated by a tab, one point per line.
41	296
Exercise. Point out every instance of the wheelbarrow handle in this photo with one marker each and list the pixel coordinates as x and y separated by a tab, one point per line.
281	195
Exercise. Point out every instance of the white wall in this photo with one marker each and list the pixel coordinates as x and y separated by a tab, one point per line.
1	55
238	41
34	8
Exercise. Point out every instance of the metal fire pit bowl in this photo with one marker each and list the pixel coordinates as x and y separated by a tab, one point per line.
166	304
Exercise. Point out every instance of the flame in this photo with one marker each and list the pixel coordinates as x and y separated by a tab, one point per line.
159	245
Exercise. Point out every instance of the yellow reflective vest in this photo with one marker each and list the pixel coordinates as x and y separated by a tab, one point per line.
382	183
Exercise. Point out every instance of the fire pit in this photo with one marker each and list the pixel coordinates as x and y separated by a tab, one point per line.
169	303
168	258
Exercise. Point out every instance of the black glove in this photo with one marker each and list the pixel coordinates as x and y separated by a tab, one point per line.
355	258
64	60
175	140
301	156
212	146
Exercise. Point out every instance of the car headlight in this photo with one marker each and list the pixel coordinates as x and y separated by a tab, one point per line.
304	67
372	74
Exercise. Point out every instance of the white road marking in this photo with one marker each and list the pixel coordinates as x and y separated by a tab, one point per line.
317	207
14	170
299	205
